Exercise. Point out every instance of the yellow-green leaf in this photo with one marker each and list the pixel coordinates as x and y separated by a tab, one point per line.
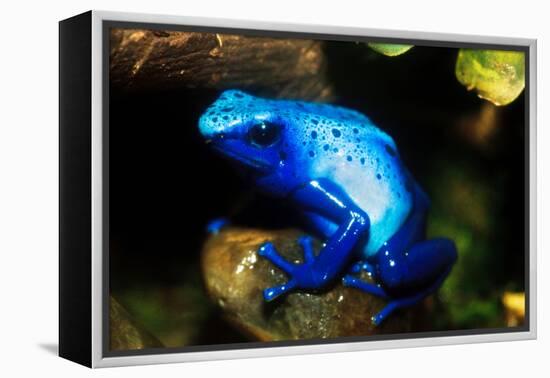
497	76
390	49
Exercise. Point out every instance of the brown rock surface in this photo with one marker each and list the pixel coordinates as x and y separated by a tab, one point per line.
235	277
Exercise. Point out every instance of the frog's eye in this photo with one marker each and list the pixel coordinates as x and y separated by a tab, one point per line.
264	134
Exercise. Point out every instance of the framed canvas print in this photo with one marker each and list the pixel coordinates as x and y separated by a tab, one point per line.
234	189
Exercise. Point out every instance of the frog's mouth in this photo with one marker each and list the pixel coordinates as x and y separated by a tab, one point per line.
237	155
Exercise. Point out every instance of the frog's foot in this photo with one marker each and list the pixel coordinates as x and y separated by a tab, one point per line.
216	224
302	275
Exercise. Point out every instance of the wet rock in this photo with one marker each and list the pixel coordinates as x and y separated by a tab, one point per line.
126	333
235	277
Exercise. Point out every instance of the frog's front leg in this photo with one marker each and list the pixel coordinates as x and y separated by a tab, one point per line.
327	199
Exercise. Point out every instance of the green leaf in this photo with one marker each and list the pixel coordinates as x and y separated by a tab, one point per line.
497	76
390	49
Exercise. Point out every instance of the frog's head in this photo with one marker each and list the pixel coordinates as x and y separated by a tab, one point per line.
252	132
238	127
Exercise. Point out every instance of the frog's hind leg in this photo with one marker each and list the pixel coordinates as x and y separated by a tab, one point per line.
441	246
407	301
408	267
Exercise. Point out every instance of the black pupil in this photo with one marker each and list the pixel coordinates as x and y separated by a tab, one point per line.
264	134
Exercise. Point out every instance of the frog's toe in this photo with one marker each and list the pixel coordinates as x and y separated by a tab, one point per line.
351	281
363	266
268	251
275	291
389	309
307	245
378	318
215	225
356	268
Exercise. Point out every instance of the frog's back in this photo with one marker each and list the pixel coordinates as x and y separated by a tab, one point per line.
346	147
336	143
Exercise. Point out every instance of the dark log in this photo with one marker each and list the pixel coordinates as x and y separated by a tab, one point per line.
152	60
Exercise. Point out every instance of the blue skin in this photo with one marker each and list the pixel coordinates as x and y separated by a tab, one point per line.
347	179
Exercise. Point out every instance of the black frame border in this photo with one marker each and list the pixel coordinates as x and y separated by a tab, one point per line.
75	188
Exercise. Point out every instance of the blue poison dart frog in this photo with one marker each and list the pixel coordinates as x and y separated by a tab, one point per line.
345	175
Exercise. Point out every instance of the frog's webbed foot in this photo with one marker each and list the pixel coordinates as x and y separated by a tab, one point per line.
302	275
328	199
